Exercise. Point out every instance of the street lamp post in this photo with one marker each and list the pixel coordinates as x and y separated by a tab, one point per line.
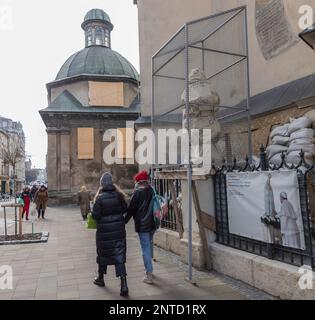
308	36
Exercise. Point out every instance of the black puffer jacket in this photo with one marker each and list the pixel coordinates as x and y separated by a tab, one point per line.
139	209
108	211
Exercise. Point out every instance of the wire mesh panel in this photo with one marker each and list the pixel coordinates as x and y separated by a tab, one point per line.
215	49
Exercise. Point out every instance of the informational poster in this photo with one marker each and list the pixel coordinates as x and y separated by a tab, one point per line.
265	206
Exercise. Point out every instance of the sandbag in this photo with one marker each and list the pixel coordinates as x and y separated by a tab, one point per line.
274	149
276	159
294	158
280	131
299	123
311	115
302	134
280	140
302	141
307	148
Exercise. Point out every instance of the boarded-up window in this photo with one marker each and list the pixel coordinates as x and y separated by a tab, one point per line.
106	94
125	143
85	143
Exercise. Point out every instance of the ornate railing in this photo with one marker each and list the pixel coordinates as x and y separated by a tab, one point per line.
306	181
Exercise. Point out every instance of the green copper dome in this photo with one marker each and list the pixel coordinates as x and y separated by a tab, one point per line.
97	14
97	60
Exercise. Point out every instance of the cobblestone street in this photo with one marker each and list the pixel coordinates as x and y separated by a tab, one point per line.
64	268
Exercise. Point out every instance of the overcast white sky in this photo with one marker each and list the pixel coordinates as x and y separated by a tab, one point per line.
42	35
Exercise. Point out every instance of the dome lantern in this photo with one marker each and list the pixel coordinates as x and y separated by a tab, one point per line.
97	27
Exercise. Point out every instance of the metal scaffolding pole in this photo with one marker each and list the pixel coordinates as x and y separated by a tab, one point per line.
189	167
249	119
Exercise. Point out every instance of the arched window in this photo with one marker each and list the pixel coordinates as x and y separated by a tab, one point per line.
89	37
99	36
107	38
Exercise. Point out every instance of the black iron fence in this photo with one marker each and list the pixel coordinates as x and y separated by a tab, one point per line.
278	252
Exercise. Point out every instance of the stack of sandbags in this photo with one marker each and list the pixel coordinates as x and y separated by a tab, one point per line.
280	139
311	115
301	138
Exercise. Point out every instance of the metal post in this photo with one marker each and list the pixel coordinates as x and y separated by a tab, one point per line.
249	120
152	118
5	223
15	215
189	168
203	57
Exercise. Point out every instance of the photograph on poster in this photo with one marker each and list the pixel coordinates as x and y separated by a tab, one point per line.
265	206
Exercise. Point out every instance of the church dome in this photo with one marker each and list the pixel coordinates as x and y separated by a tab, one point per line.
97	58
96	15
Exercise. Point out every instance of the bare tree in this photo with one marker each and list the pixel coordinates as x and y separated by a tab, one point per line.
13	153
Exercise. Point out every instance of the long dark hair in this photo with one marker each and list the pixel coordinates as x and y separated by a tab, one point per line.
117	189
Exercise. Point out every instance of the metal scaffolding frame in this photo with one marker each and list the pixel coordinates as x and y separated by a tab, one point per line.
171	67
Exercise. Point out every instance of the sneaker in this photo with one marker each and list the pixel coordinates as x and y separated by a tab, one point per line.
148	279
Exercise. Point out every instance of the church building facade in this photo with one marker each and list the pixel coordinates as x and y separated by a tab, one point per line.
95	90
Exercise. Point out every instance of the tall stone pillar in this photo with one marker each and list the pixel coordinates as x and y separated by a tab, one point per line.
52	159
65	179
58	160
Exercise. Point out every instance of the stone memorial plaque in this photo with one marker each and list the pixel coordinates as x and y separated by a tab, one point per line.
273	30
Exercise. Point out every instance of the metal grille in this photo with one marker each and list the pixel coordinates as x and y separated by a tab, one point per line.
162	188
271	251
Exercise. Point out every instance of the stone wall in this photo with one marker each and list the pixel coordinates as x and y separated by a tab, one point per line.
262	126
66	173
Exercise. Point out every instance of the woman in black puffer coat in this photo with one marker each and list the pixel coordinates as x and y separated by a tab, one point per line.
108	211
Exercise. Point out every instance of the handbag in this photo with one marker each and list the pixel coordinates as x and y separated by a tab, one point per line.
21	201
90	222
159	207
33	210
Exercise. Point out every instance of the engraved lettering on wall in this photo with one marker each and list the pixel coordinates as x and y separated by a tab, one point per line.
273	30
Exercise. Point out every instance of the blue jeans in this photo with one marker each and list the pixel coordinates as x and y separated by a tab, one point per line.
146	241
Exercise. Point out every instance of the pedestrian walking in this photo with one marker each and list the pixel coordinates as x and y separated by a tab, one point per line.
108	211
27	198
140	209
34	189
84	198
40	199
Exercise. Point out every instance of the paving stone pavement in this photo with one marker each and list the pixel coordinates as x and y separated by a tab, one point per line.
64	268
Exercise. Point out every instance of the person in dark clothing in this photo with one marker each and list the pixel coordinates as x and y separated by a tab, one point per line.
41	199
34	189
108	211
140	209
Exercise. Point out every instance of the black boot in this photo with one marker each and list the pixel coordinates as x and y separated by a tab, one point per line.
99	281
43	214
124	288
38	211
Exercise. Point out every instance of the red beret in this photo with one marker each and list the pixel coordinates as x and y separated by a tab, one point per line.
141	176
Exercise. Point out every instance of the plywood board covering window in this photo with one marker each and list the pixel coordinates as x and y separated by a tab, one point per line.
125	143
106	94
85	143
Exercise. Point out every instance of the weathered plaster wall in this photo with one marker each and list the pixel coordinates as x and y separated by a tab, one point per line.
78	89
157	23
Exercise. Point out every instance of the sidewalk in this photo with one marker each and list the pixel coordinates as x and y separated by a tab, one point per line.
64	268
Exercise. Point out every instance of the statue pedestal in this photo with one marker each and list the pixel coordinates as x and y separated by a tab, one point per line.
203	231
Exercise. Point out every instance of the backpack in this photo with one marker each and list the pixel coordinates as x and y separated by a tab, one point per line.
159	207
